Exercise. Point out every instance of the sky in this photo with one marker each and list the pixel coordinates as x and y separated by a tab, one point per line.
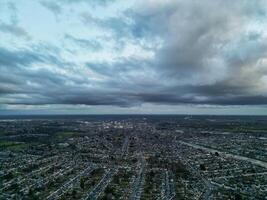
133	57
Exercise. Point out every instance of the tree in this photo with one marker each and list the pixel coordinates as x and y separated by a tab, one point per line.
82	183
202	167
74	193
238	197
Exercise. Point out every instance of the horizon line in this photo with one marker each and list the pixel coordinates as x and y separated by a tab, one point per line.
143	114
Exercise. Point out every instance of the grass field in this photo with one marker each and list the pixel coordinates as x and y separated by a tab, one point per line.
64	135
13	146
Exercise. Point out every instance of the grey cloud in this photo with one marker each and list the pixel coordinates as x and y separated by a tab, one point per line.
91	2
118	26
193	32
121	67
14	29
196	36
13	10
38	87
53	6
13	26
208	56
17	58
85	43
16	72
170	99
57	7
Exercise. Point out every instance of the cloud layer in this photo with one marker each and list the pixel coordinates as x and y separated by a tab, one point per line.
123	54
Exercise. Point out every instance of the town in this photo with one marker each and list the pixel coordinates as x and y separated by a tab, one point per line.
133	157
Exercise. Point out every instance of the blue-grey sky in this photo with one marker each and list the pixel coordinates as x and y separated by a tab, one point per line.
133	56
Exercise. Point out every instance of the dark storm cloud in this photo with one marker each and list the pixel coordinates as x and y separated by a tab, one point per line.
193	32
209	53
27	86
96	97
171	99
200	39
121	67
16	74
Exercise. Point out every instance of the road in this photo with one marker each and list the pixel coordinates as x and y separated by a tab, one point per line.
139	180
205	195
67	185
242	175
20	181
125	146
46	179
168	191
102	184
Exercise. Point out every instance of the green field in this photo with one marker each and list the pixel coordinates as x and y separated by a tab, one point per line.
64	135
13	146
